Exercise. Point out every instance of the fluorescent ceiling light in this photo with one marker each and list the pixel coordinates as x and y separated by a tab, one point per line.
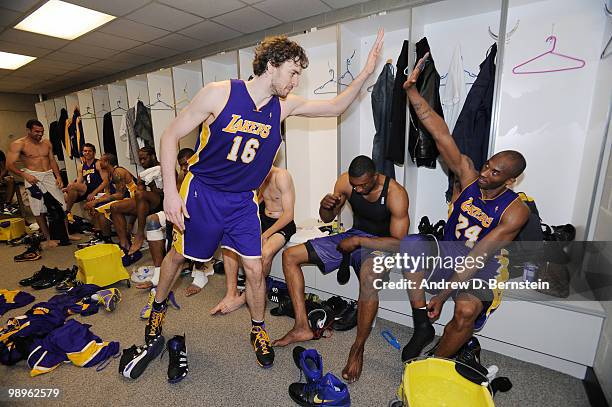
63	20
13	61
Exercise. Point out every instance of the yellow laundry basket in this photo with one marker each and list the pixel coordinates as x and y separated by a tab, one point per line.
433	382
101	265
11	228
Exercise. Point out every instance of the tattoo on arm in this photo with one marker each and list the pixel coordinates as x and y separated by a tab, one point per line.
423	112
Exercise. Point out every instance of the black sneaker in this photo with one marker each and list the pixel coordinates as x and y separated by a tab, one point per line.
421	337
69	281
241	284
135	360
154	324
96	239
262	347
468	362
53	278
31	254
177	367
41	274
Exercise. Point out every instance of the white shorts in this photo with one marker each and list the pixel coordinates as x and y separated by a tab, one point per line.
46	183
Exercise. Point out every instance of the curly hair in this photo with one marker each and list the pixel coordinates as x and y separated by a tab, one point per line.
277	50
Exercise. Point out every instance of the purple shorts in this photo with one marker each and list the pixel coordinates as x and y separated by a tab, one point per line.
217	217
322	251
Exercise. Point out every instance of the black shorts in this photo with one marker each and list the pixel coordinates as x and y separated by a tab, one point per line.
267	222
160	207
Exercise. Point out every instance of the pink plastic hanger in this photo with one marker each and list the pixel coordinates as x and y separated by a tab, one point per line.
581	63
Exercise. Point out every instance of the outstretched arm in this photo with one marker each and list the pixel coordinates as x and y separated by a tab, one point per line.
436	126
298	106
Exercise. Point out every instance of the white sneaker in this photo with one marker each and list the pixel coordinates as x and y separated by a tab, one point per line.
143	274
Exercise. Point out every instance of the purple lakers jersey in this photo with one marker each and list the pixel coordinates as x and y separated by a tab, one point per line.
236	151
472	217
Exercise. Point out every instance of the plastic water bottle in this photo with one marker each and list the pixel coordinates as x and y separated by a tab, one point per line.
529	270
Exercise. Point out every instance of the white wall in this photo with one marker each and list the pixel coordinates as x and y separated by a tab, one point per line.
187	79
546	116
245	57
90	127
101	106
220	67
161	95
117	93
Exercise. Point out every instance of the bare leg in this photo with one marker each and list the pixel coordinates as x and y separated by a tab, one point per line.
169	272
156	248
10	189
145	200
73	192
255	288
232	300
461	328
269	250
44	229
293	258
367	307
118	212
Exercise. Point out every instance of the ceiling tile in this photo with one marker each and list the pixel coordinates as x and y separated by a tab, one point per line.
180	42
209	32
109	41
18	5
75	59
9	17
150	50
133	30
291	10
116	66
23	49
25	37
206	8
131	58
343	3
96	69
247	20
161	16
51	66
112	7
35	69
79	47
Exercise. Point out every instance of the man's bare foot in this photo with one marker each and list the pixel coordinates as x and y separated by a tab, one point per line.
75	237
295	335
136	244
192	290
229	304
49	244
144	286
354	364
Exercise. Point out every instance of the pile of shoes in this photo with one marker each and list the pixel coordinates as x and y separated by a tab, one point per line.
47	277
319	389
97	238
70	281
135	359
8	209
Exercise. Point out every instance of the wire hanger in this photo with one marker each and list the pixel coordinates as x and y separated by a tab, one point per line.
184	97
465	71
320	90
103	108
169	107
118	107
579	63
508	34
348	70
88	114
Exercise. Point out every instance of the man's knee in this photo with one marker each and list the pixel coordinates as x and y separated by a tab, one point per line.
295	255
153	228
466	311
175	257
139	194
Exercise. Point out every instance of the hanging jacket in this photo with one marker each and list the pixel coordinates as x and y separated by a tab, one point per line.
421	145
108	135
454	93
61	130
397	139
74	136
128	135
381	109
55	136
471	132
142	124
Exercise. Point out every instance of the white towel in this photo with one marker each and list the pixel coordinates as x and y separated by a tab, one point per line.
454	93
152	174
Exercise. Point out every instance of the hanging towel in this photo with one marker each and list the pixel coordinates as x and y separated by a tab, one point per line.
454	93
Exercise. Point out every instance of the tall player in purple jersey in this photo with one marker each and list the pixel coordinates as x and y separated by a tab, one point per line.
485	216
239	140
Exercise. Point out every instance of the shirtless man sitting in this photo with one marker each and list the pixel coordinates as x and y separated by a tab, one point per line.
277	227
40	169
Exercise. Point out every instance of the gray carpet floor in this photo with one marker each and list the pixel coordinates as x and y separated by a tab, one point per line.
222	367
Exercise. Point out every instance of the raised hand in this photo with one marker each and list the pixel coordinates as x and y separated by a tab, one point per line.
374	53
414	75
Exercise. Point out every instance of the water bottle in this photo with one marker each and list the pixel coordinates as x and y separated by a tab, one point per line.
529	270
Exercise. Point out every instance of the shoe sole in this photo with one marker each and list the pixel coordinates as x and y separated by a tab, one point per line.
176	380
112	304
307	404
23	260
137	366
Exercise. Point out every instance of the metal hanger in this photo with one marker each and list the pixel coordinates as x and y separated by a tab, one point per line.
118	107
88	114
320	91
508	34
348	70
605	53
392	67
169	107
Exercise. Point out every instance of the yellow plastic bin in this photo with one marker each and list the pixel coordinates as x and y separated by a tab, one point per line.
433	382
11	228
101	265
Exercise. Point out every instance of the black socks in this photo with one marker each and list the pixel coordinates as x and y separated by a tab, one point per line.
422	336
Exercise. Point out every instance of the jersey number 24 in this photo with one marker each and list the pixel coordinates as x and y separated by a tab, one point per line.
248	154
471	233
